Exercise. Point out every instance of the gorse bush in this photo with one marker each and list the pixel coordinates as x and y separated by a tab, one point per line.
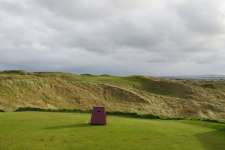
87	74
21	109
134	115
116	113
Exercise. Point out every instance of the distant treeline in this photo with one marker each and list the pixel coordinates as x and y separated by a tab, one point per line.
116	113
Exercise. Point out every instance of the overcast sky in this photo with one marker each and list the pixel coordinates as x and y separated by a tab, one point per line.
150	37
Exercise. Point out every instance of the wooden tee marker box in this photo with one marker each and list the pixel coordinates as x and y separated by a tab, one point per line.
98	116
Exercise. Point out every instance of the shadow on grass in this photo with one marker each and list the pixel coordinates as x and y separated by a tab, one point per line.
79	125
214	140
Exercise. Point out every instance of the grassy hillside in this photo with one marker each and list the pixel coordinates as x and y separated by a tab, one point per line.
140	94
67	131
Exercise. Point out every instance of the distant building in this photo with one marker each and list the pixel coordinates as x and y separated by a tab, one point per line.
98	116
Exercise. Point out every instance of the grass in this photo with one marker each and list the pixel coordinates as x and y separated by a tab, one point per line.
71	131
132	94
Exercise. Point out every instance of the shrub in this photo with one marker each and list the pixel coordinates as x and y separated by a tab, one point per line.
49	110
134	115
87	74
116	113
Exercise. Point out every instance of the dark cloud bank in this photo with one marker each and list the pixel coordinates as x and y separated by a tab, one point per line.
151	37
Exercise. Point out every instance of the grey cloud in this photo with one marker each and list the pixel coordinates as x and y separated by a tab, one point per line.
113	36
202	16
86	10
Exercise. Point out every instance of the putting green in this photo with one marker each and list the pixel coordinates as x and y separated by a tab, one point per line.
70	131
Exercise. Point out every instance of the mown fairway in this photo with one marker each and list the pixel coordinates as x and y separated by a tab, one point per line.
70	131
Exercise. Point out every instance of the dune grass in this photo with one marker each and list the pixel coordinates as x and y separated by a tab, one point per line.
133	94
71	131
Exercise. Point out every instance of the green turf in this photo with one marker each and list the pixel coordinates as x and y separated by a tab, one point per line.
70	131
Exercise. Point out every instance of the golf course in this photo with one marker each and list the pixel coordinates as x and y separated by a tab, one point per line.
71	131
112	75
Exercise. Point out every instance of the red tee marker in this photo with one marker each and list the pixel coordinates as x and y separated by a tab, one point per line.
98	116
